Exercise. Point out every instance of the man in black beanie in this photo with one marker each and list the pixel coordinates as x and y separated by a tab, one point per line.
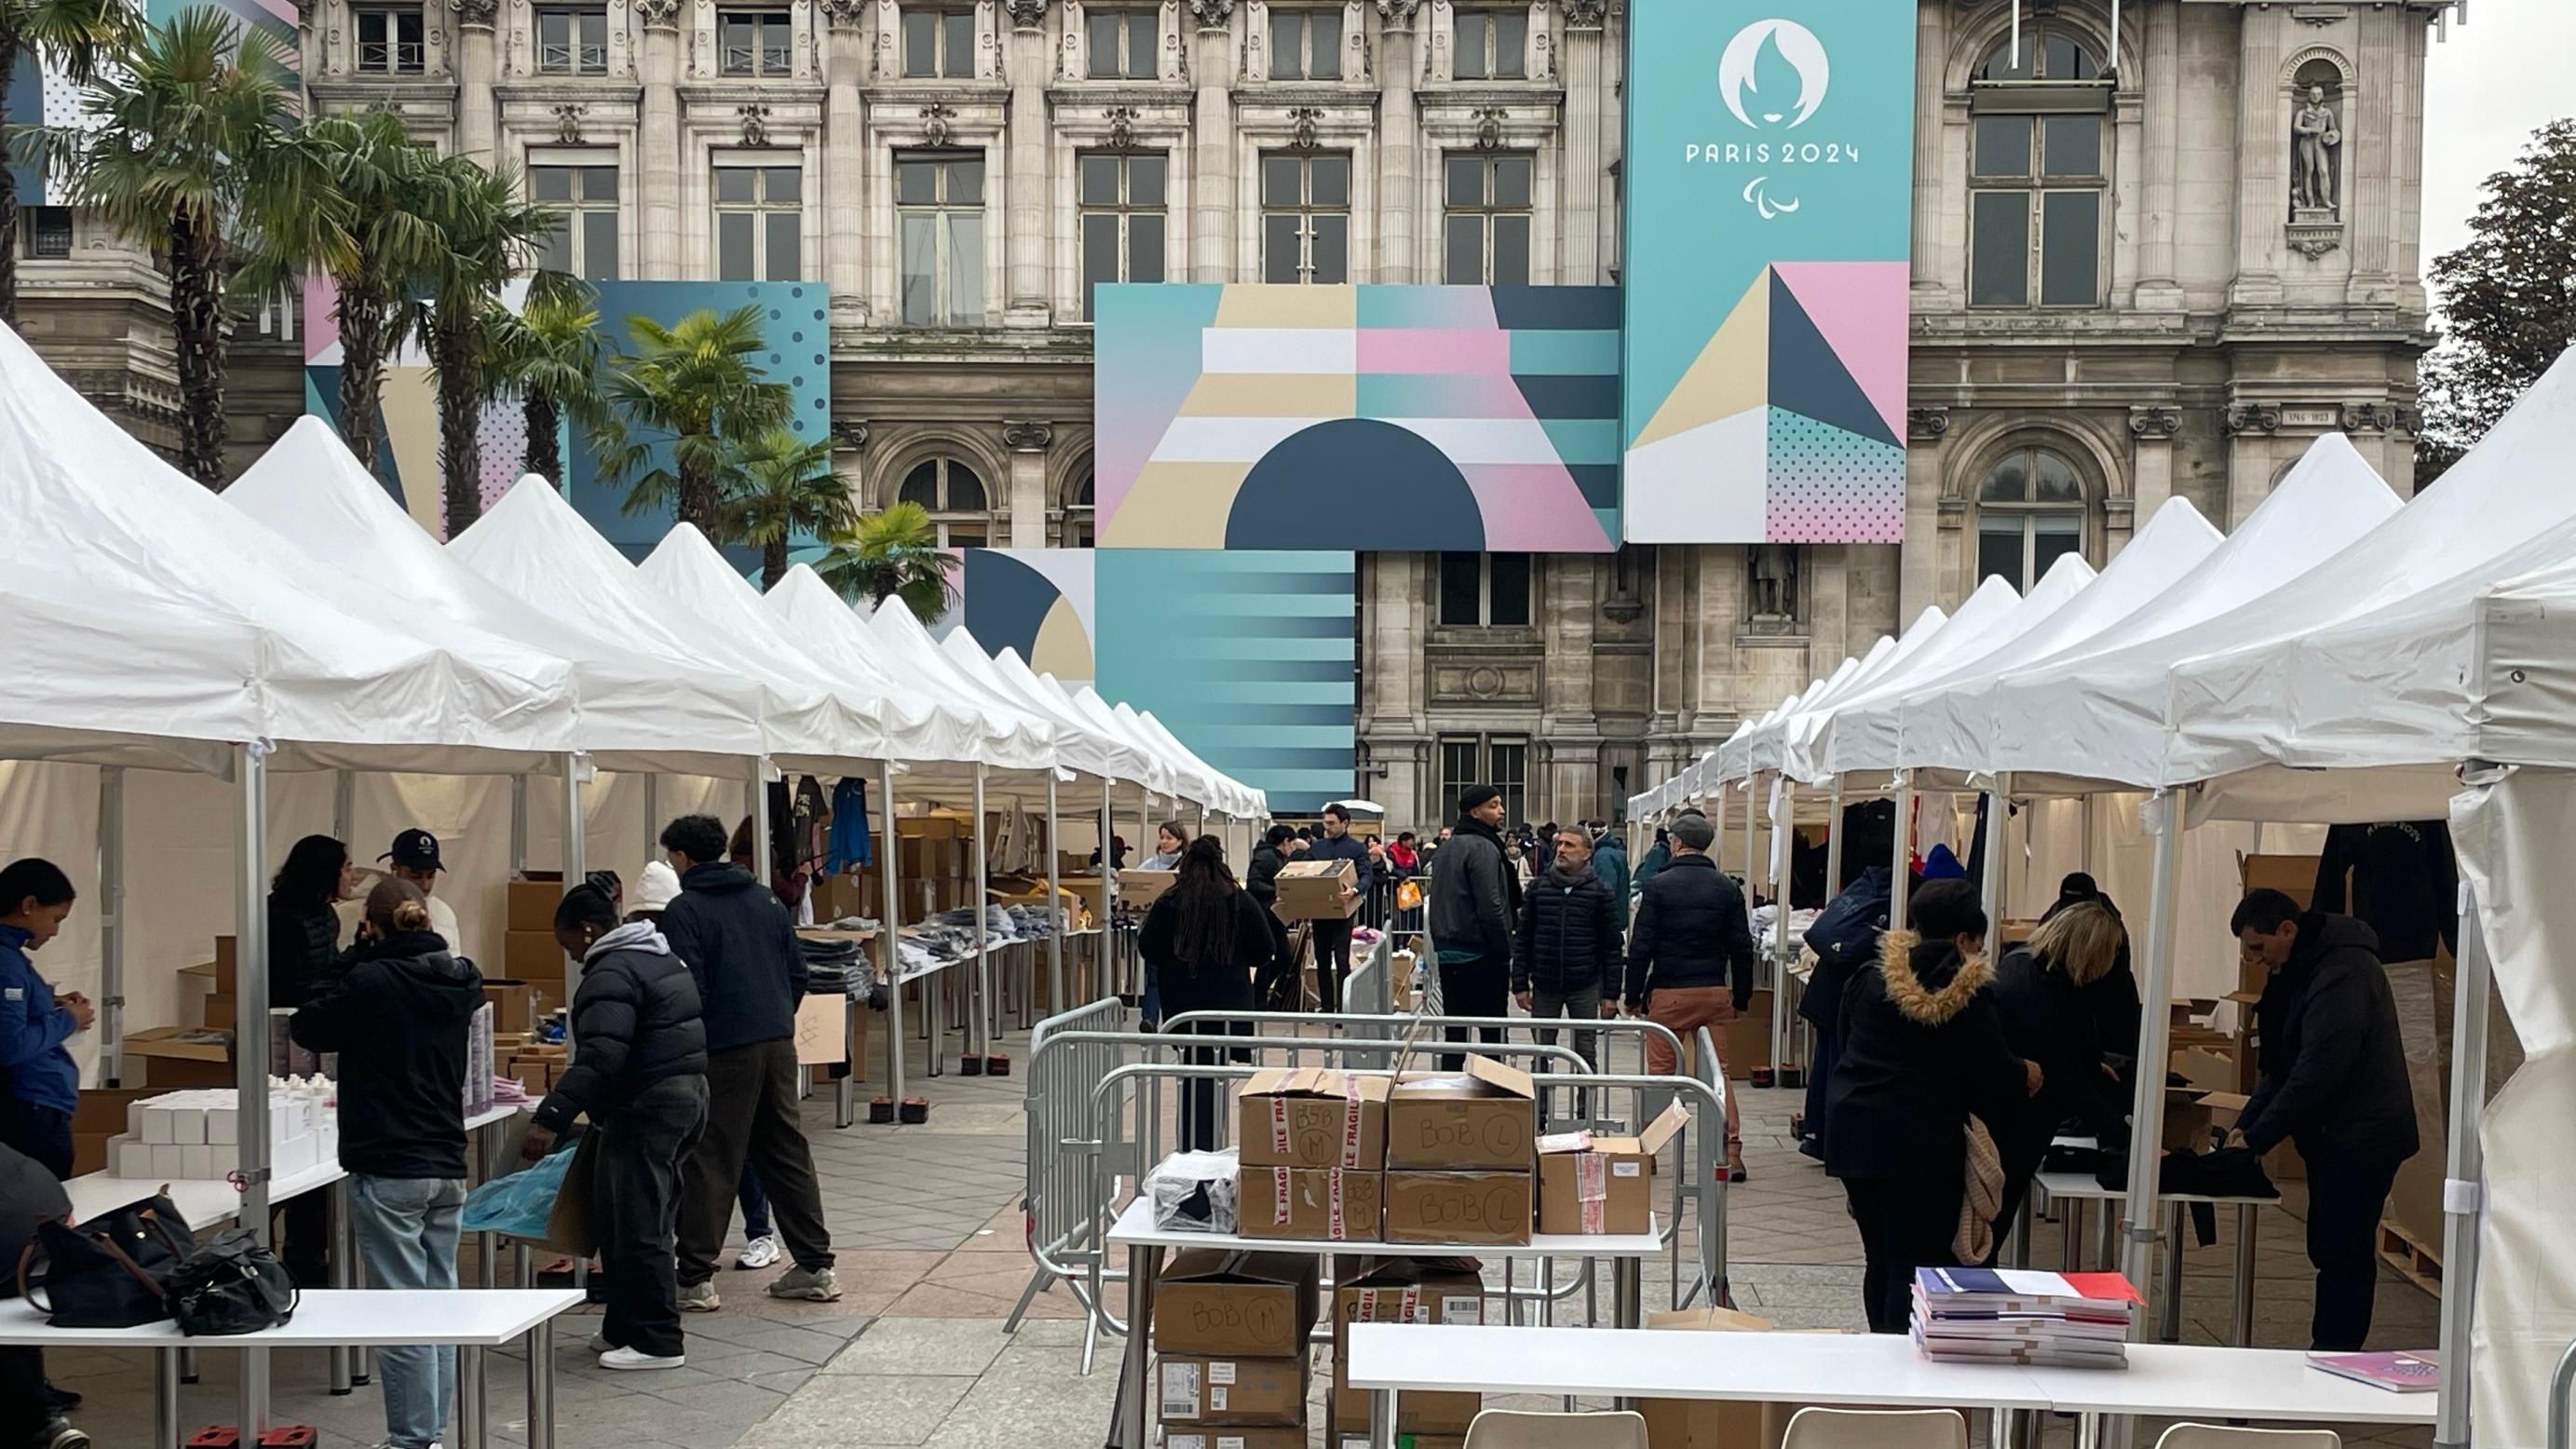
1475	897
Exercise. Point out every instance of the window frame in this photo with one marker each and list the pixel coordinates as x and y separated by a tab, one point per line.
944	310
2029	511
943	516
761	208
393	46
1307	211
1080	526
1482	752
1126	210
756	60
33	236
1302	18
1487	212
1488	43
1486	592
576	52
577	206
943	65
1125	66
2038	101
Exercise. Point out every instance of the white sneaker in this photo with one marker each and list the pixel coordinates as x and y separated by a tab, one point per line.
760	1252
629	1360
699	1297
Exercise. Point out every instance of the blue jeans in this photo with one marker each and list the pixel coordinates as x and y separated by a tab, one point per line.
407	1234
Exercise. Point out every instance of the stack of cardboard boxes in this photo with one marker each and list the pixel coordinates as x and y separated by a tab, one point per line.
1230	1335
1311	890
1404	1290
1312	1145
1460	1151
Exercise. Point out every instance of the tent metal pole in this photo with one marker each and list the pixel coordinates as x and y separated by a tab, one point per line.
889	865
756	792
653	821
250	1038
519	825
1900	872
111	918
576	864
1115	973
344	805
1752	854
1996	864
2463	1194
1784	820
2141	1231
979	1037
1056	1002
1834	842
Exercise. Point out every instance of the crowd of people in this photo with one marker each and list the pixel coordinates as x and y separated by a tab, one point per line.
685	1069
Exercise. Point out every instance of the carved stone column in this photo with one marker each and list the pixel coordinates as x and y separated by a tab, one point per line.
1931	52
1027	181
1581	53
2158	289
2151	466
477	58
2252	429
1398	138
1919	586
1212	178
657	148
1028	443
2372	113
845	160
2262	157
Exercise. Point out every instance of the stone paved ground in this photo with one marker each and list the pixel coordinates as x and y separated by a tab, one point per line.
928	1229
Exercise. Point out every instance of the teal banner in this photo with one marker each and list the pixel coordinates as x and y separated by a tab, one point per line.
1768	213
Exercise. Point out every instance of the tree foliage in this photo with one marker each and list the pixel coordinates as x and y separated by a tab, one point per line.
74	36
778	485
688	391
486	235
2507	298
549	353
894	554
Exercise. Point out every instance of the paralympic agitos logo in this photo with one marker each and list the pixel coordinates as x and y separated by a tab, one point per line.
1773	78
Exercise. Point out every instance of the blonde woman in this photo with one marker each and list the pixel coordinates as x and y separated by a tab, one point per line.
2043	988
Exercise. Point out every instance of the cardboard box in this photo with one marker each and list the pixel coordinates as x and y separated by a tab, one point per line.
219	976
1713	1424
1247	1391
1239	1436
1745	1043
220	1012
1484	1119
1309	1204
2294	876
514	1003
180	1056
1311	1117
1592	1185
1141	888
1311	890
822	1031
1458	1207
531	902
1247	1305
1405	1290
531	956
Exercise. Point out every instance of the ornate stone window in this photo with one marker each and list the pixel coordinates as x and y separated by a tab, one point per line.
1305	44
45	232
391	40
1501	761
572	40
2039	173
583	239
954	494
2030	513
1486	236
1490	43
1124	198
939	220
1120	44
938	44
1080	529
760	221
1306	216
1485	590
755	42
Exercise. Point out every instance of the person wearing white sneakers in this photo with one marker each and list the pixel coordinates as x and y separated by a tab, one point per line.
640	1075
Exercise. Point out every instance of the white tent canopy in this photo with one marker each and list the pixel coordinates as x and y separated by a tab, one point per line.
946	729
1022	739
1078	745
636	712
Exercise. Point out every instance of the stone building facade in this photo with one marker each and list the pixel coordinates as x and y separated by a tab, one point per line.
2145	266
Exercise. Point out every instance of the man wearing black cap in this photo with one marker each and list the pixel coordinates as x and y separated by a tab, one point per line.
415	859
1475	897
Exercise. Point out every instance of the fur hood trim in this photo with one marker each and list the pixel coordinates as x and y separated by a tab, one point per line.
1918	1004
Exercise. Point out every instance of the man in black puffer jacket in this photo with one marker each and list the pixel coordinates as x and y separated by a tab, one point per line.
2334	1085
1568	947
641	1078
741	947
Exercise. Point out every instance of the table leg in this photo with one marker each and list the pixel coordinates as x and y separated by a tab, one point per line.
254	1394
2241	1331
2070	1229
2088	1431
473	1428
187	1365
2171	1331
1382	1419
1628	1292
165	1399
934	992
336	1199
541	1386
1144	1265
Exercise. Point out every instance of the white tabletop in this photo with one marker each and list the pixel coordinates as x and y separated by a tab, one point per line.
2084	1187
497	1112
334	1317
2227	1383
204	1201
1135	1229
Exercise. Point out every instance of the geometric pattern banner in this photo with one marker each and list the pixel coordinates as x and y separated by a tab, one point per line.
1249	657
1357	418
1037	601
1769	191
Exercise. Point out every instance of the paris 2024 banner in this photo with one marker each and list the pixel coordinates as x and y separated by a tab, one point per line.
1769	209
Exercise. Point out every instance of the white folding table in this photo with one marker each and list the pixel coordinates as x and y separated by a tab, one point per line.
470	1319
2075	1189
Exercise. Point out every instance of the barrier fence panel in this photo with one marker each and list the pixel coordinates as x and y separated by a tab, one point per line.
1068	1147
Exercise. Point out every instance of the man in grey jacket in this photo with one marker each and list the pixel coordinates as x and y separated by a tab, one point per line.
1475	898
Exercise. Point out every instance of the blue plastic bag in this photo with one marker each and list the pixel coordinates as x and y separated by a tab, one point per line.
519	1204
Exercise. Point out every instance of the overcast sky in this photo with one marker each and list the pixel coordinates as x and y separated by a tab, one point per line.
2487	88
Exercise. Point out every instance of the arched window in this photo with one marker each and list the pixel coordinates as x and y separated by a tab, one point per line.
1079	529
2039	168
956	499
2030	513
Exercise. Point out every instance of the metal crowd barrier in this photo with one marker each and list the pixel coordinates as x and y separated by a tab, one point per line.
1067	1053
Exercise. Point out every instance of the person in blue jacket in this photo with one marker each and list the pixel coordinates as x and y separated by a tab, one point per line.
44	1082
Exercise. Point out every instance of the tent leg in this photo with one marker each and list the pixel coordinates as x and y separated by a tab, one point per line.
652	815
1994	862
1116	974
576	864
1834	842
519	825
1056	1002
1900	873
111	919
251	1031
2463	1193
890	960
2140	1231
1784	820
756	798
979	1030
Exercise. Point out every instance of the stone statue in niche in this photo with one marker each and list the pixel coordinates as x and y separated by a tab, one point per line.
1775	581
2314	139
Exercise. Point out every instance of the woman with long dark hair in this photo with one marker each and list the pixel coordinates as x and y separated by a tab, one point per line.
303	958
1208	937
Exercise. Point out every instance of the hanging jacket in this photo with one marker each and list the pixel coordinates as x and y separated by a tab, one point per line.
1569	936
852	845
2405	885
1691	931
1610	863
2333	1065
398	1017
741	947
635	1022
1923	1050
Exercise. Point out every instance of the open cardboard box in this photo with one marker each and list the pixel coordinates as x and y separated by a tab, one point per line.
1484	1120
1592	1184
1708	1424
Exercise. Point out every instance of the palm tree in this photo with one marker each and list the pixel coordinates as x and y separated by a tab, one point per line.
893	555
549	353
74	36
780	486
486	236
692	388
383	183
198	140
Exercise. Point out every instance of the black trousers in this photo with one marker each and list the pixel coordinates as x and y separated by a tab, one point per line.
1820	1075
22	1395
1273	989
1480	986
637	1212
1332	960
751	1117
1220	989
2345	1199
1905	1223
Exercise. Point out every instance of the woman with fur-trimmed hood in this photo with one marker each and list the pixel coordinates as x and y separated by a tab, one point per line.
1922	1052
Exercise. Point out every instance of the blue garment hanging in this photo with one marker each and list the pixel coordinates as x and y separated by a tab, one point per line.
851	843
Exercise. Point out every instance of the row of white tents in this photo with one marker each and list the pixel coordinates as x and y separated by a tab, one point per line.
297	649
2341	657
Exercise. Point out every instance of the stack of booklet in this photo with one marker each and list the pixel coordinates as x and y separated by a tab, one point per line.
1988	1315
